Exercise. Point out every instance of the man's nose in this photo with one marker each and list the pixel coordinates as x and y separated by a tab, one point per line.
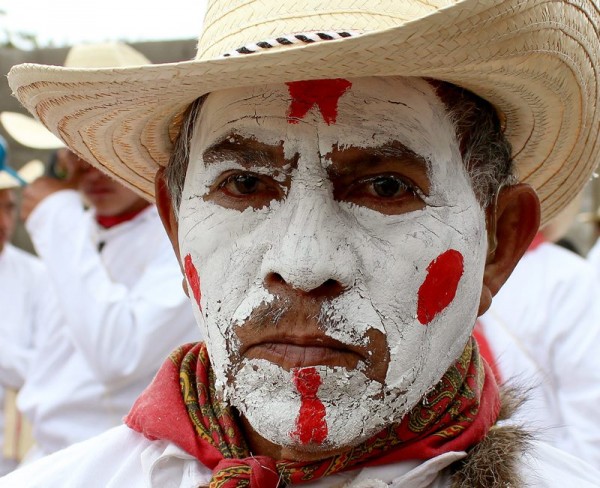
312	253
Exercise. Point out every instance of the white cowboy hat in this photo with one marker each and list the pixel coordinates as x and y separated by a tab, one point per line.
9	178
29	132
537	62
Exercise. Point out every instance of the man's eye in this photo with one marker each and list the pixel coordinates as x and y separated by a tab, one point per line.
241	189
241	184
388	186
387	193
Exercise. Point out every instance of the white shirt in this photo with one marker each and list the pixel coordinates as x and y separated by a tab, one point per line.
594	257
544	330
23	313
124	311
124	458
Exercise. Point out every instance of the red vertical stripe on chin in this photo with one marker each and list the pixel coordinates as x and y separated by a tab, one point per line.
311	427
193	279
325	94
439	288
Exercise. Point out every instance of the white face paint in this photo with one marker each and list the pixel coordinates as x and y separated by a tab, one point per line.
351	269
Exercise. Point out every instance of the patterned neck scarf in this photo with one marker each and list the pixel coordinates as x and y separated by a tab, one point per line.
181	406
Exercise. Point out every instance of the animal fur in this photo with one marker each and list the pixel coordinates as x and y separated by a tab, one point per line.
493	462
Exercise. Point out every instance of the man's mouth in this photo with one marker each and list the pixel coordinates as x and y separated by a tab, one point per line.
299	352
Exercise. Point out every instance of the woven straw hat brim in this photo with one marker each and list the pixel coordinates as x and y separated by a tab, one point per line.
537	62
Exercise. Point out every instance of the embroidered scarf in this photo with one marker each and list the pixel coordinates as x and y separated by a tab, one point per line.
181	406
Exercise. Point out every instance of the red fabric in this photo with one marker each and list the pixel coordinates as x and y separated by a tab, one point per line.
259	471
454	416
108	221
160	413
486	351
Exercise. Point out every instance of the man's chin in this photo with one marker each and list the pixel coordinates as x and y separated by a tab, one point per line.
309	412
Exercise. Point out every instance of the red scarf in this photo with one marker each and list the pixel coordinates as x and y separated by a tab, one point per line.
181	406
108	221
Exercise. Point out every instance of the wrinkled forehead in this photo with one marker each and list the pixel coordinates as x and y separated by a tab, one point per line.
346	112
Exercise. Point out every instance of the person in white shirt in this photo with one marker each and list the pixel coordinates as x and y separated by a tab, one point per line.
342	215
26	310
118	286
593	255
119	290
543	329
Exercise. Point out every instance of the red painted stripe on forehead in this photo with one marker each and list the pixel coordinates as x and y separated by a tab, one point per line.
193	278
325	94
439	288
311	427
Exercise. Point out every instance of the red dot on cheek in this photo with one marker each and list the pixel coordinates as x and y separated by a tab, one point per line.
440	285
193	279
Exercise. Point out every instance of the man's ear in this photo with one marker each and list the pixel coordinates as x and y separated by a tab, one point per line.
512	224
164	204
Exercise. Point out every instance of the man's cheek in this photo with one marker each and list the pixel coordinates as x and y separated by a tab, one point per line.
439	287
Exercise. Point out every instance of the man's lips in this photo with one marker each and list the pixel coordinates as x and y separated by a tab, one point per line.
296	352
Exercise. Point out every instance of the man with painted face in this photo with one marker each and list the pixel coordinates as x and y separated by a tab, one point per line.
339	231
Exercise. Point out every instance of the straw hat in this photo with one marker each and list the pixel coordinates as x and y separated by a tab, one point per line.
29	132
535	61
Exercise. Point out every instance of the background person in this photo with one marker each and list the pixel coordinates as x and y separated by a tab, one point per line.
26	310
543	329
119	290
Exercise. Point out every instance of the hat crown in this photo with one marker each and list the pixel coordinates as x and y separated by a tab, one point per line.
231	24
104	55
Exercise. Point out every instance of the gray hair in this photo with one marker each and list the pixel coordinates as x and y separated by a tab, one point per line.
179	159
485	150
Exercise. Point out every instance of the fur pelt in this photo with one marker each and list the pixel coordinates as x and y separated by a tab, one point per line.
493	463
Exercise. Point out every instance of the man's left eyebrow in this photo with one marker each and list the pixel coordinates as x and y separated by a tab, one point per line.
246	156
386	152
397	151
